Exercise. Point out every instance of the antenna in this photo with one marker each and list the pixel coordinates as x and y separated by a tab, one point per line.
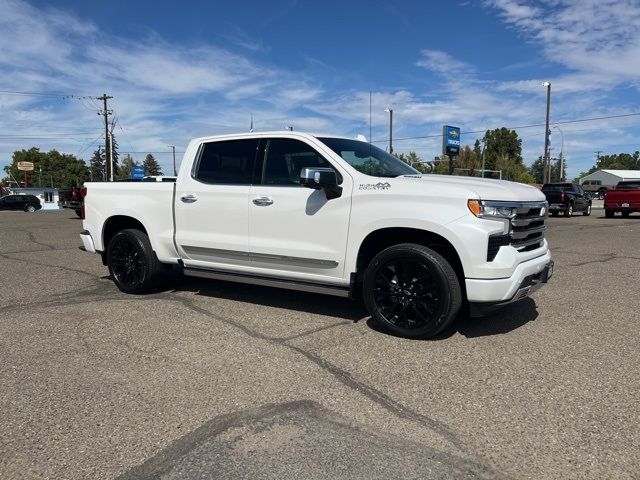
251	127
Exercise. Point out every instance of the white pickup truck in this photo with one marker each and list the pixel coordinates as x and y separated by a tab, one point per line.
329	215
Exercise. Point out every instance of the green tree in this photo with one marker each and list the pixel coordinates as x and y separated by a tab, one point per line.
50	168
414	160
124	172
619	161
97	166
502	144
151	166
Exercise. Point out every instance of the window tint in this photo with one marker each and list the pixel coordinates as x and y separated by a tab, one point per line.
368	159
229	162
285	159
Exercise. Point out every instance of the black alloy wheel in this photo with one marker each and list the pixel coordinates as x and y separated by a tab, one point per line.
412	291
587	212
131	261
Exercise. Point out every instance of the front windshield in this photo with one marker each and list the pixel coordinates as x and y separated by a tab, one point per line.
368	159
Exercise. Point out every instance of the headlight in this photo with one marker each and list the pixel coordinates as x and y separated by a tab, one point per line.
491	210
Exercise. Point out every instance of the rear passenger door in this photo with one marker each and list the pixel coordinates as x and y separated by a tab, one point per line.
211	211
294	231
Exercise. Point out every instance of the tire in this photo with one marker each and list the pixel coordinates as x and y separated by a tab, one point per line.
609	213
587	212
132	262
430	299
30	208
554	213
79	213
569	210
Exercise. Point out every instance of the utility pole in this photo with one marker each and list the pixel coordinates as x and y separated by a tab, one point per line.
598	152
390	111
110	163
106	112
547	160
173	147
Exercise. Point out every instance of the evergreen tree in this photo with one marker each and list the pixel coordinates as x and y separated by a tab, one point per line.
151	166
97	166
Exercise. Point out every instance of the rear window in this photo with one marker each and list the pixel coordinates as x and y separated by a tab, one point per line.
557	187
229	162
628	185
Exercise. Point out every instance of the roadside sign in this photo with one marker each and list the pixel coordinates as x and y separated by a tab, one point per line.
450	140
25	166
137	172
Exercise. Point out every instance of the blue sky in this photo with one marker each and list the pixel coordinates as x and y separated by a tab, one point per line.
202	68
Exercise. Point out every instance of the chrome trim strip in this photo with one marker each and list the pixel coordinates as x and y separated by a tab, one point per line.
260	257
517	235
269	282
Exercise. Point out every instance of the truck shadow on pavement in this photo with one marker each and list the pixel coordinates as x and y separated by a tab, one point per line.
502	321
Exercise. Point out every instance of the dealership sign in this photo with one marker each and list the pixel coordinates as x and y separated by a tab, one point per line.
25	166
137	172
450	140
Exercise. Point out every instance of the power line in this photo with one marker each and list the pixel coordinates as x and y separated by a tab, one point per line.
38	94
533	125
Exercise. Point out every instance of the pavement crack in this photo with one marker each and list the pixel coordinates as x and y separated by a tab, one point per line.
344	377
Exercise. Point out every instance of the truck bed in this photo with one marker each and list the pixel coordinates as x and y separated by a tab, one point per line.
149	202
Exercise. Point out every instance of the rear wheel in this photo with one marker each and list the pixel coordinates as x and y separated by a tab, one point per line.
30	208
132	262
609	213
587	212
569	210
412	291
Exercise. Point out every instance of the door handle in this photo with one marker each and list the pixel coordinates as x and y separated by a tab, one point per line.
188	198
262	201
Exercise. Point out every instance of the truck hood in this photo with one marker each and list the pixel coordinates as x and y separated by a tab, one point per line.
482	188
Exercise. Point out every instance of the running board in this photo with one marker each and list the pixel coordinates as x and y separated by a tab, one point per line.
269	282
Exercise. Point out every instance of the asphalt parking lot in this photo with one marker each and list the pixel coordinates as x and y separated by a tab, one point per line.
207	379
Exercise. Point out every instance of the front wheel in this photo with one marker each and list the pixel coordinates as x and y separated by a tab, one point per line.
412	291
30	208
587	212
568	211
132	262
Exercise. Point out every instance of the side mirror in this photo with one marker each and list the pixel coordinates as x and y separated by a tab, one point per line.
321	178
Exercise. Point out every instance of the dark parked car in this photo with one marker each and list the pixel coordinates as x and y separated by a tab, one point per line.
567	198
27	203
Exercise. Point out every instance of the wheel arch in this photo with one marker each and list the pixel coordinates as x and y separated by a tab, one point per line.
115	224
380	239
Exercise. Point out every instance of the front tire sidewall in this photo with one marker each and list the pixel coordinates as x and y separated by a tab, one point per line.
587	212
446	278
143	246
30	208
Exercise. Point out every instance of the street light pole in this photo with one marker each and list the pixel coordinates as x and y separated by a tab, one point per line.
390	110
547	162
561	153
173	147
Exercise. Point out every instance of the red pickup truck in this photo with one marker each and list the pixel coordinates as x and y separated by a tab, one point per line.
625	198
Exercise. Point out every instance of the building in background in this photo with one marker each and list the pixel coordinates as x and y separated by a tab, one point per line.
48	196
602	180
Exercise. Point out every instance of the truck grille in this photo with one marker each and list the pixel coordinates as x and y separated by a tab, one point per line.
526	230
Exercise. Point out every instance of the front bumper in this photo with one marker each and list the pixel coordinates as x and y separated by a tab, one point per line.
527	277
87	242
